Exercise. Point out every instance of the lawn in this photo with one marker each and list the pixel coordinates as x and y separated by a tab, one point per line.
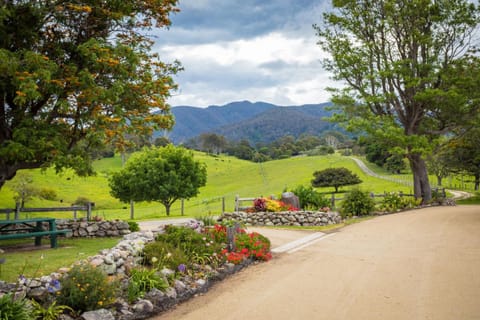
22	258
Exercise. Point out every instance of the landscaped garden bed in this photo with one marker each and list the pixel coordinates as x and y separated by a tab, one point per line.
144	274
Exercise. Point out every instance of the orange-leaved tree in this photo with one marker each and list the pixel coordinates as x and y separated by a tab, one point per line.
78	75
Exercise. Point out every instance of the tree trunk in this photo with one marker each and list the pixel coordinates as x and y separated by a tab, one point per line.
439	181
7	172
421	185
167	208
477	181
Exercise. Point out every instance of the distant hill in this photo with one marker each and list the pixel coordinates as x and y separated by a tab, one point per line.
256	122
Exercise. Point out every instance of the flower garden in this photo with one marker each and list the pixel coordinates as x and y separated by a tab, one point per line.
152	273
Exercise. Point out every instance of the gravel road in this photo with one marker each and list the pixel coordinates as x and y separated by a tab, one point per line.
419	264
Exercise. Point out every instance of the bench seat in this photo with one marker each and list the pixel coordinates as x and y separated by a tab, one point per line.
37	235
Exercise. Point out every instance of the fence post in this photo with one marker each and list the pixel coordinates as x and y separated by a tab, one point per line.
89	211
132	210
17	211
182	206
333	200
223	204
236	202
231	238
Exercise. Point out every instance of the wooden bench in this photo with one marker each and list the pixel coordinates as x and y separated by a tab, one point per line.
31	228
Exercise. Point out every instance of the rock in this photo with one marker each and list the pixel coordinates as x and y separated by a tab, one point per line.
143	306
291	199
180	287
101	314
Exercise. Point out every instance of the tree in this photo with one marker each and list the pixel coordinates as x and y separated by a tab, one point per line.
24	189
408	69
163	174
462	154
75	76
213	143
335	177
395	163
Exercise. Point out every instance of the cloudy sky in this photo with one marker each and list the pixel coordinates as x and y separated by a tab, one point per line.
257	50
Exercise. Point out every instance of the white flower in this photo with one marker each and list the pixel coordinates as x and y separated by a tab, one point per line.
154	259
169	255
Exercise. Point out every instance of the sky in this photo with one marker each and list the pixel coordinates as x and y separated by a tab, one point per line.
256	50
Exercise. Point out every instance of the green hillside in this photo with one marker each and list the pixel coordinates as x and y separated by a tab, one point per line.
227	177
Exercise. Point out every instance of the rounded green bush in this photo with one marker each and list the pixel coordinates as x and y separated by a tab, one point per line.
357	203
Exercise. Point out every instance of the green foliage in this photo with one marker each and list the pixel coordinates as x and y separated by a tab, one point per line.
379	67
161	254
86	288
82	201
207	220
47	194
64	96
395	163
335	177
163	174
23	188
189	241
392	202
51	312
14	308
357	203
133	226
142	280
309	198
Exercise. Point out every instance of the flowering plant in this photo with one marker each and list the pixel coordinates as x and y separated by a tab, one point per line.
271	205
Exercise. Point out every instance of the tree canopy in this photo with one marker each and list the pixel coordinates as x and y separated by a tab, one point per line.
335	177
78	75
409	68
163	174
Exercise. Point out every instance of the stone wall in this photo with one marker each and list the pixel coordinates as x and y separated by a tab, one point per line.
90	229
286	218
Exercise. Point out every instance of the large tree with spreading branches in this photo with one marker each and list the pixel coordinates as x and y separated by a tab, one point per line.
78	75
410	70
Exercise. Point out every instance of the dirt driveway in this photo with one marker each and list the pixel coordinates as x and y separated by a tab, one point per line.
420	264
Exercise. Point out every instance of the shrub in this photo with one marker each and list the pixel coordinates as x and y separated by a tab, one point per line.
143	280
162	254
357	203
310	199
189	241
392	202
82	201
51	312
12	308
260	204
47	194
86	288
207	220
133	226
252	245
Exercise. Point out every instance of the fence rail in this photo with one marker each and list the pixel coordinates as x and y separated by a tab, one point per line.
74	209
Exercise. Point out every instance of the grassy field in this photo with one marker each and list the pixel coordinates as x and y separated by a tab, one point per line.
227	177
34	262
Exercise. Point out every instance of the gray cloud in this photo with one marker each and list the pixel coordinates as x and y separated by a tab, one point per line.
246	50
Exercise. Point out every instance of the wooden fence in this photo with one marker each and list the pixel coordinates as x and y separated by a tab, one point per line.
17	211
239	202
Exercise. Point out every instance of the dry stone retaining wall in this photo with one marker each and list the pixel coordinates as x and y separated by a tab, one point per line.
90	229
284	218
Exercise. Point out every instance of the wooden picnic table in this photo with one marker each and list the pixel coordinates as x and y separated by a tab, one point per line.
29	228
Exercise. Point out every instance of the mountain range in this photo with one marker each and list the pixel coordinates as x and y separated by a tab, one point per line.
255	122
